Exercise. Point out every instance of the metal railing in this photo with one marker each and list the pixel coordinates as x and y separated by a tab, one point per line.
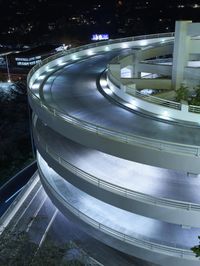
120	136
106	132
94	45
157	61
135	239
116	189
194	109
153	99
148	98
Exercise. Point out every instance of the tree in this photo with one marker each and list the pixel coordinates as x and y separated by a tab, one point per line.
196	249
197	90
182	93
17	249
196	99
15	131
49	254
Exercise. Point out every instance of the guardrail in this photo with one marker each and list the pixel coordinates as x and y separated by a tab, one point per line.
148	98
136	50
93	45
102	131
194	109
153	99
136	240
120	136
157	61
116	189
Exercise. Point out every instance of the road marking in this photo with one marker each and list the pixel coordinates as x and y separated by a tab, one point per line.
48	227
20	172
14	195
8	216
27	206
35	214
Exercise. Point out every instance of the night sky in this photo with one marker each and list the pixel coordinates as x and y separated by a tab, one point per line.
25	21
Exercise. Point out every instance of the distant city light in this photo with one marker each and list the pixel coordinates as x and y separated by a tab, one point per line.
99	37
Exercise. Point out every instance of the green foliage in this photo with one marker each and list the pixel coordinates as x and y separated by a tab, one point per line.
197	90
15	133
196	100
196	249
16	249
49	254
182	93
72	263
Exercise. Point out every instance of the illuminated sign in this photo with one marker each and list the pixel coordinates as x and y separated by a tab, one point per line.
99	37
28	61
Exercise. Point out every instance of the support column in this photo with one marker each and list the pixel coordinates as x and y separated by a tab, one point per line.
180	53
136	73
129	64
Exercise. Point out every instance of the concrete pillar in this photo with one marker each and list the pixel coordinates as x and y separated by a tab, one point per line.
127	71
130	63
136	73
180	53
126	66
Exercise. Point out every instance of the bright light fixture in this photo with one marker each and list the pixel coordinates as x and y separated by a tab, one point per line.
35	86
103	83
143	43
90	52
124	45
41	77
165	113
74	57
108	91
49	69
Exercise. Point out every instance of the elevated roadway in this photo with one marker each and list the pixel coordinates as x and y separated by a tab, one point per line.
72	92
90	147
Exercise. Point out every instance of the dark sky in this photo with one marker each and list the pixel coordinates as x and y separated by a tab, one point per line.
41	19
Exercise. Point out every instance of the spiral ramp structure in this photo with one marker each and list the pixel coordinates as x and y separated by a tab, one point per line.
122	176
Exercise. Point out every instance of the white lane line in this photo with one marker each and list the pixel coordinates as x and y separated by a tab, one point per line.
48	227
27	206
14	194
8	216
12	178
35	214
